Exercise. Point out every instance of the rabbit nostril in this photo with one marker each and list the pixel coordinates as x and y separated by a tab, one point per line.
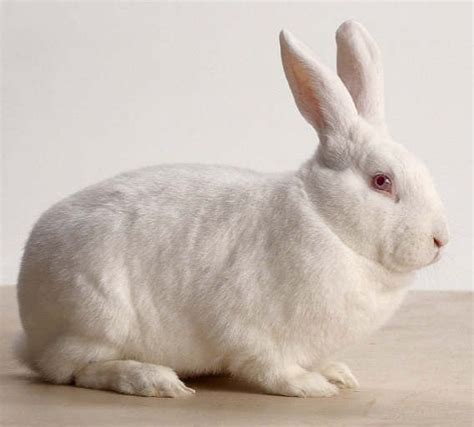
439	243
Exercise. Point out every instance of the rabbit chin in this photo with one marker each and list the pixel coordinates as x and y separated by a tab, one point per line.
410	255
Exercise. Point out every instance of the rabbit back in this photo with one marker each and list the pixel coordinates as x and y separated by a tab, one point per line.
144	259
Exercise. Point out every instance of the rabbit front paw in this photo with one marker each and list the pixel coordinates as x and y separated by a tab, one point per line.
305	384
339	374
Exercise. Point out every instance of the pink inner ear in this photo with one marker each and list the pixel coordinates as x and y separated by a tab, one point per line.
309	102
313	106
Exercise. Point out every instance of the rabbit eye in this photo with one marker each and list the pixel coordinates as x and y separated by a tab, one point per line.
382	182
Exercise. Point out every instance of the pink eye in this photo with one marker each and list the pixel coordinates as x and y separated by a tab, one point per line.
382	182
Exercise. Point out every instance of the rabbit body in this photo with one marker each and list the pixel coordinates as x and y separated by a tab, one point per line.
203	269
182	270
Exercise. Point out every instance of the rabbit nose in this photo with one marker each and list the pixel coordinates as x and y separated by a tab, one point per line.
438	242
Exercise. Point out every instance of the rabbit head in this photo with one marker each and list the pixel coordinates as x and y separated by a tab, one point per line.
377	197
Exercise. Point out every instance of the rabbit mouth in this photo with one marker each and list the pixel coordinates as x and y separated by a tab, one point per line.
405	266
436	258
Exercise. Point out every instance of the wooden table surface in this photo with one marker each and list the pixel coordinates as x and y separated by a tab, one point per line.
417	370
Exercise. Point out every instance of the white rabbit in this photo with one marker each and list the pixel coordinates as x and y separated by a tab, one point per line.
177	271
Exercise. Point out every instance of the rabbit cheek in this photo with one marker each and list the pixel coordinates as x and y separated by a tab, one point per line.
411	252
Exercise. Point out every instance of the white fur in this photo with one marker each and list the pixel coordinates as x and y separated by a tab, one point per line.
209	269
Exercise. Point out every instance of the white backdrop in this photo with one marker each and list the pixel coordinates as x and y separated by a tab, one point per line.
95	88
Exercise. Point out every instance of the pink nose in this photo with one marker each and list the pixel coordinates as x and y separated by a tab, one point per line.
439	243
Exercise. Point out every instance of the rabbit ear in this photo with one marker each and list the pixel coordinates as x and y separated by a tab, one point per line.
319	93
359	66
